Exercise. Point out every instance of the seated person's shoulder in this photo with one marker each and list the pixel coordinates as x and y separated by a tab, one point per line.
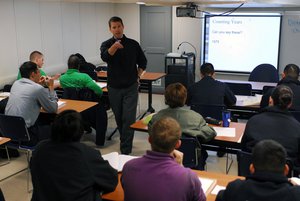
236	184
87	149
220	83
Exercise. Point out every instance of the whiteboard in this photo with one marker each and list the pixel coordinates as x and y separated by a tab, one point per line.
290	39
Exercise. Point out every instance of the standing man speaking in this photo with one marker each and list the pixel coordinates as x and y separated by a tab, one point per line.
126	62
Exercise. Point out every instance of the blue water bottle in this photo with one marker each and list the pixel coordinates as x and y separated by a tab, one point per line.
226	118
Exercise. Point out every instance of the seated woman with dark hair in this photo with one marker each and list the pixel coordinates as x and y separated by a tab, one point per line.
191	123
62	168
276	123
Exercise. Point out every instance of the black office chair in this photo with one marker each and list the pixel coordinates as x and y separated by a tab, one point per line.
214	111
264	73
191	149
3	102
1	196
296	114
7	87
96	116
266	89
101	68
15	128
244	89
244	160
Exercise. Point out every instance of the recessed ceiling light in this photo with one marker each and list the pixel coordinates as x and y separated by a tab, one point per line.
140	3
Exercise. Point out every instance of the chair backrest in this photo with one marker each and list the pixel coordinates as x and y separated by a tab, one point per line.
267	88
101	68
14	128
75	93
190	148
214	111
244	160
264	73
1	196
244	89
7	87
3	104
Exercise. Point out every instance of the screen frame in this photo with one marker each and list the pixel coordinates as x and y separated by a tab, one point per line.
206	38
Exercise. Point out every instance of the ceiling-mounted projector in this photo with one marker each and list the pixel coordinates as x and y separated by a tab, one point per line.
189	11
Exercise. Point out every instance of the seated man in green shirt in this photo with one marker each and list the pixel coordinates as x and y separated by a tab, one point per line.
73	78
38	58
96	116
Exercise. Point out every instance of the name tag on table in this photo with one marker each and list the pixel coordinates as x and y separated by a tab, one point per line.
225	131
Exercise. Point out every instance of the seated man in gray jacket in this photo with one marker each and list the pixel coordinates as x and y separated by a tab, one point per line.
191	123
27	96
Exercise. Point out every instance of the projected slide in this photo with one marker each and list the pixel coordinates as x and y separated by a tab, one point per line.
239	43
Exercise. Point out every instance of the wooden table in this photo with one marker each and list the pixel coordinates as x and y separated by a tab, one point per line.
219	143
147	78
76	105
222	180
229	141
3	141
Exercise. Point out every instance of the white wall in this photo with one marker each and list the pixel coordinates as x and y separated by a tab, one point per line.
57	29
130	14
188	30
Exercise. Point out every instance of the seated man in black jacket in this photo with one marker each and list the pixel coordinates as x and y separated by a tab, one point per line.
210	91
268	179
62	168
290	77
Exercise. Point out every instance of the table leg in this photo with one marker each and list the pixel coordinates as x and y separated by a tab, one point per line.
150	108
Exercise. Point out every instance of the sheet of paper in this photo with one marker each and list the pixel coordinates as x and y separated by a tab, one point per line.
124	159
101	84
2	98
60	103
217	188
4	94
225	131
113	159
117	160
207	184
249	100
295	180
